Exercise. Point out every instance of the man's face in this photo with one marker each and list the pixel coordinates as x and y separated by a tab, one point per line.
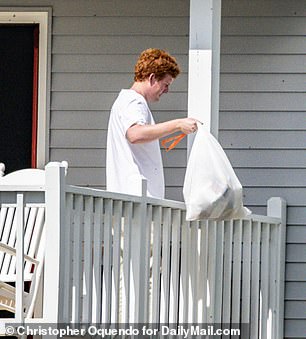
159	87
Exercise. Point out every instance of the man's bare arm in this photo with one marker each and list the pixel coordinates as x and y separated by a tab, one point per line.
146	133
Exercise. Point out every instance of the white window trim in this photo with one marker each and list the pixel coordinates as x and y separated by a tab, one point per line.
43	18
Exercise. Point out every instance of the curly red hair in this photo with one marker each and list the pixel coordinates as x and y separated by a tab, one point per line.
155	61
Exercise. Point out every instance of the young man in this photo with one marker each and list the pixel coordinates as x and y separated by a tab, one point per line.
133	150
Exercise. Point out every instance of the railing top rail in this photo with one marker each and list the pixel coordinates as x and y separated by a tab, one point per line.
22	188
264	219
153	201
125	197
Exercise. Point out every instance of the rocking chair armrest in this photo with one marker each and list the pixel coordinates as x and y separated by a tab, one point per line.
12	251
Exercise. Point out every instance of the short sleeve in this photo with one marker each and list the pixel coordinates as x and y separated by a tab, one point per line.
135	113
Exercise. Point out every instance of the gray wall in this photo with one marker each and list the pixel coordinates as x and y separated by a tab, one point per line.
263	122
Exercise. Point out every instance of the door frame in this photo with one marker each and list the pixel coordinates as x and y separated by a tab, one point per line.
42	17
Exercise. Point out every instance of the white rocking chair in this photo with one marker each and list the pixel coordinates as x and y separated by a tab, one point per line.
34	243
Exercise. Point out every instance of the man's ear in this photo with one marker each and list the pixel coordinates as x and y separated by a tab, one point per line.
152	79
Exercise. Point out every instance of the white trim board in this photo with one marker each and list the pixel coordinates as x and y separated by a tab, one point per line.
204	64
41	17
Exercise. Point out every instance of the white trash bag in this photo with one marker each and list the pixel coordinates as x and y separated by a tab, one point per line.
211	187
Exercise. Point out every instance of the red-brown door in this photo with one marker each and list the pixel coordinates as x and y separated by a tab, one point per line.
18	95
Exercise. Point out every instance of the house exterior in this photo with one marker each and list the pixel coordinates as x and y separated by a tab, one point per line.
90	53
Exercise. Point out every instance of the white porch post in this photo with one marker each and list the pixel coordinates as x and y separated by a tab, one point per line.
55	220
204	64
277	207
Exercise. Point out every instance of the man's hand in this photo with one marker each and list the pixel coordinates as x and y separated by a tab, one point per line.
188	125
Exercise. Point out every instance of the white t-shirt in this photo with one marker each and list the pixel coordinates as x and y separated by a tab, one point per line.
126	163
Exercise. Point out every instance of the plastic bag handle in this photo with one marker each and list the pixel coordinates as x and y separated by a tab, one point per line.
175	140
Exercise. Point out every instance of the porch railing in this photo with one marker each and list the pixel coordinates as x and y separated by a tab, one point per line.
113	258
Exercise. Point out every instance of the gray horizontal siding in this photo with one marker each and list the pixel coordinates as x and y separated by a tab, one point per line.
259	139
103	101
297	235
95	119
263	45
102	82
262	101
130	25
256	26
120	8
116	44
263	122
260	82
293	328
114	8
264	8
267	158
262	63
96	177
296	272
109	64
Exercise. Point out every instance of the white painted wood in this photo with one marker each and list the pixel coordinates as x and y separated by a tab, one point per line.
8	228
277	208
128	211
137	254
199	89
147	243
211	271
264	282
116	262
237	248
204	63
184	281
22	251
2	169
19	315
193	263
227	278
97	260
55	207
107	262
202	278
87	275
272	282
28	176
67	280
204	271
255	279
175	267
11	239
246	275
156	258
219	271
165	267
77	277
